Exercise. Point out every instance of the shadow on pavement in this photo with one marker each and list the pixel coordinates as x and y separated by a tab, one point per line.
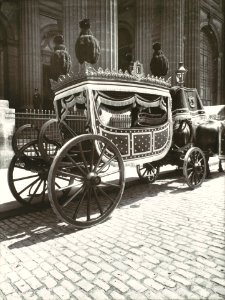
43	225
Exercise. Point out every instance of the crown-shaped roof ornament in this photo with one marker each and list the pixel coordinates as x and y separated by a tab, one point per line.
87	71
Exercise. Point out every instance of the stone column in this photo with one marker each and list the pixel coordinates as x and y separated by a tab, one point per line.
192	43
143	33
172	34
219	80
103	17
7	124
30	51
73	13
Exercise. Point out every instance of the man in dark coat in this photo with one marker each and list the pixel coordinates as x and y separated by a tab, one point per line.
37	103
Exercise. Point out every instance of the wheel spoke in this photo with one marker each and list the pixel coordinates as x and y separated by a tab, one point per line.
26	177
69	186
100	157
58	186
201	170
192	159
19	167
198	178
151	172
83	157
76	165
195	178
89	205
140	169
191	177
43	192
201	160
191	163
191	173
63	178
92	155
106	164
78	205
35	191
97	202
111	173
104	193
27	187
70	174
73	196
144	172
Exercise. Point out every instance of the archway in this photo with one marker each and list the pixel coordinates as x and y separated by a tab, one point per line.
208	66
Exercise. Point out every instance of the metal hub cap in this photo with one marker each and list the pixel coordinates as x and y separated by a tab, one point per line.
93	179
198	168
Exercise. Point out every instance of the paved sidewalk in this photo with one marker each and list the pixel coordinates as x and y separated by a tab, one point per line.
10	207
164	241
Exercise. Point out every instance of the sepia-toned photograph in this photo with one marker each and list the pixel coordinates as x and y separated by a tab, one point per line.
112	149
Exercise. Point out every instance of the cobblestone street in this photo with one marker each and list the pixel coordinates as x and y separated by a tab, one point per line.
164	241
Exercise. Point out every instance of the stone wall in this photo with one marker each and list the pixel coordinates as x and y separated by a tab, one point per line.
7	125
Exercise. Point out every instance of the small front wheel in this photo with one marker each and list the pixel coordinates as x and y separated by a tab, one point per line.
96	168
148	172
194	167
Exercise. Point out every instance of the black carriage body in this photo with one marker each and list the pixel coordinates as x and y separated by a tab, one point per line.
186	104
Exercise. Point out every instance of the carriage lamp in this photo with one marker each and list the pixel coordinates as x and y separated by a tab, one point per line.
180	74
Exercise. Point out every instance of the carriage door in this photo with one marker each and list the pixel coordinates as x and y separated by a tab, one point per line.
208	68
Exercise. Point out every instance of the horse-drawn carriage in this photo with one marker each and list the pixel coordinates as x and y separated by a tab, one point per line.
130	120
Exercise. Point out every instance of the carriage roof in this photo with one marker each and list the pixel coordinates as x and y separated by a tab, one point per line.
105	80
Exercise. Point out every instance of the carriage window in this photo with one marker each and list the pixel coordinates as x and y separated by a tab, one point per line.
138	112
109	116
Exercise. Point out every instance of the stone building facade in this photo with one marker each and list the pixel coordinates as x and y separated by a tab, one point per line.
191	31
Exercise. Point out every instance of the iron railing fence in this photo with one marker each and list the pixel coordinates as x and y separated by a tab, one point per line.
75	120
36	118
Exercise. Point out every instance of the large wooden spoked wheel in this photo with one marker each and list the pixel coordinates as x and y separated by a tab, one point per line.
148	172
28	174
98	180
49	139
194	167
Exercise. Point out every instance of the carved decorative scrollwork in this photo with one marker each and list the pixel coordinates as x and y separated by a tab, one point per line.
88	72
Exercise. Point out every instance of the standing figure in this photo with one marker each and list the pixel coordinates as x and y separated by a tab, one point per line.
37	102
